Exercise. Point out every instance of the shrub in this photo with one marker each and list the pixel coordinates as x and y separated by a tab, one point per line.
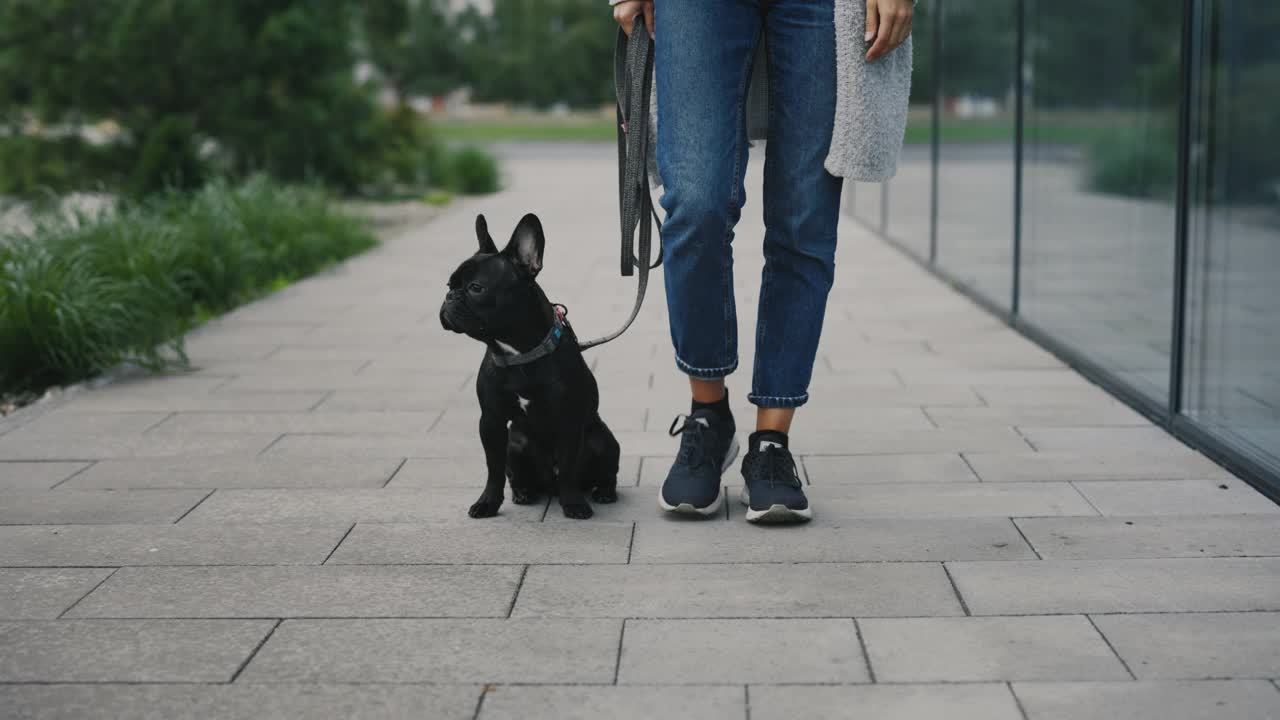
1136	164
472	171
84	294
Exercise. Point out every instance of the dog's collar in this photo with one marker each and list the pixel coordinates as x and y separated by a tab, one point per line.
541	350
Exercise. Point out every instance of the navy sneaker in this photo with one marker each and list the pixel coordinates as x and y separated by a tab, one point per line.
708	446
772	490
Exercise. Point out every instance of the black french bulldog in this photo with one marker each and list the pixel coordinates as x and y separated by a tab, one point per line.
533	377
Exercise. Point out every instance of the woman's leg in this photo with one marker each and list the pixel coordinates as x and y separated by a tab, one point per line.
801	206
703	62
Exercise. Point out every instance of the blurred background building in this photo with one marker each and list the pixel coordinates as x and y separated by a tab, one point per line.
1105	176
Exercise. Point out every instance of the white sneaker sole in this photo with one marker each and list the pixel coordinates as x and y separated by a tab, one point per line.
714	507
775	513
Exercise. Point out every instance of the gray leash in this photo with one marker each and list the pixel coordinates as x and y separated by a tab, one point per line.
633	82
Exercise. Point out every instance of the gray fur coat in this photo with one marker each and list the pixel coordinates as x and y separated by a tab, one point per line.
871	102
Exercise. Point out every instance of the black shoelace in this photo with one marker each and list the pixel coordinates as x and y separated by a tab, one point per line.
779	466
693	444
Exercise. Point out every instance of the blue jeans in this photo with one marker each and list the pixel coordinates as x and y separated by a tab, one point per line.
703	62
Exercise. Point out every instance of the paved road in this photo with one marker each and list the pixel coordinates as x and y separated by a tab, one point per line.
283	533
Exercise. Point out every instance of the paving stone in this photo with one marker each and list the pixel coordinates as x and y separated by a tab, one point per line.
379	505
73	422
693	652
24	444
486	541
1153	537
236	472
44	594
1204	700
36	475
127	650
1037	415
845	502
729	591
1096	464
1195	646
1175	497
563	702
374	423
181	544
1090	439
883	702
374	446
876	539
825	470
404	400
909	441
1045	378
470	471
238	702
69	507
439	651
988	648
256	592
177	402
1104	586
1003	395
323	380
857	418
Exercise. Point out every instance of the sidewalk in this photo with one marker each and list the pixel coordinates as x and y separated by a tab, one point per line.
283	533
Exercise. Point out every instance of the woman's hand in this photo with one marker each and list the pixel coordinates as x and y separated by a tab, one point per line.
888	25
625	13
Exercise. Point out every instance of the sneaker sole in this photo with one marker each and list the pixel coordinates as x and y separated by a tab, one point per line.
714	507
775	514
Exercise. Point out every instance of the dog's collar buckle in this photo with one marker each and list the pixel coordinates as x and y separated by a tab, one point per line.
541	350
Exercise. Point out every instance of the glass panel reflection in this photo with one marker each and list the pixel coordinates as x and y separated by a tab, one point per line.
1233	322
910	190
976	153
1101	159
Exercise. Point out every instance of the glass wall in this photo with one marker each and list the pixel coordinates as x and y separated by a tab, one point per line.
976	144
1233	316
1143	240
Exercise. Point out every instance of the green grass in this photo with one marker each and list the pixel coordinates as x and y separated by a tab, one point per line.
81	295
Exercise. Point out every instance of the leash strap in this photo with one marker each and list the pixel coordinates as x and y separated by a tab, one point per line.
633	83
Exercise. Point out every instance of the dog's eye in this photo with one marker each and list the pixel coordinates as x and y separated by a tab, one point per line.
475	288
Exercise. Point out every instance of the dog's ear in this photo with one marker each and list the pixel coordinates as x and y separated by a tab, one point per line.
482	234
526	244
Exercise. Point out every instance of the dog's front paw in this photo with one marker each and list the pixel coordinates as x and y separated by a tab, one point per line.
484	508
605	495
577	511
523	497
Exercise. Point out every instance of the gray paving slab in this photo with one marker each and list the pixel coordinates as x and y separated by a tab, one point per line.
563	702
168	544
1040	378
347	505
1204	700
325	381
973	701
870	539
1195	646
127	650
95	423
1037	415
1175	497
36	475
44	593
733	652
486	541
729	591
236	473
1065	647
374	446
825	470
470	472
68	507
439	651
942	500
375	423
1096	464
1107	586
950	440
208	402
257	592
998	394
344	401
1153	536
24	444
238	702
1088	439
